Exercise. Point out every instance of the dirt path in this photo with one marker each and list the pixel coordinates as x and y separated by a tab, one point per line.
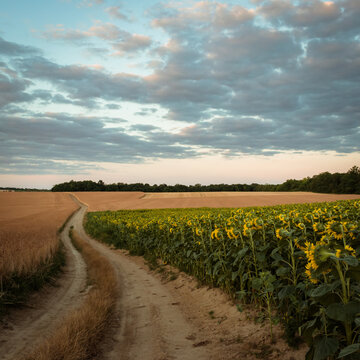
150	325
158	319
24	328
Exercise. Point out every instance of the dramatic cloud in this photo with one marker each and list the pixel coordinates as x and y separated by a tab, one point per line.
62	137
278	77
11	49
12	87
83	82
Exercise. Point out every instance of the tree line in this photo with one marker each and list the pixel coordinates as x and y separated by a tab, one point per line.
337	183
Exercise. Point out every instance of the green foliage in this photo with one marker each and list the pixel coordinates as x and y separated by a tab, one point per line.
345	183
301	261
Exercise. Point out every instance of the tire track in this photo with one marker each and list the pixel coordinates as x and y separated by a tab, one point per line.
26	328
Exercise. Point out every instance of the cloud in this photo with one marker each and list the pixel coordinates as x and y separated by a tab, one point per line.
12	87
304	14
281	77
315	18
83	82
36	166
90	3
121	41
64	137
12	49
144	127
202	15
132	44
146	111
104	31
231	136
114	11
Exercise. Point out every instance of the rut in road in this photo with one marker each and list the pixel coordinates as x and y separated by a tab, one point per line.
26	328
149	324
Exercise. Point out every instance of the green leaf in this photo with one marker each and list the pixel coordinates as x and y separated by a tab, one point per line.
274	254
349	350
286	291
242	252
323	289
282	271
324	347
343	312
309	324
260	257
234	275
256	284
350	260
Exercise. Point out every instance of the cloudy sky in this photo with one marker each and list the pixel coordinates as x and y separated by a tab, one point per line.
178	91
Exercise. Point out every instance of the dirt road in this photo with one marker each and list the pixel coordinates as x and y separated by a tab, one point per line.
27	327
150	325
157	319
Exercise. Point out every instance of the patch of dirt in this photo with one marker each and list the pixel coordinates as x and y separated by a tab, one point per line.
101	201
226	333
26	327
148	325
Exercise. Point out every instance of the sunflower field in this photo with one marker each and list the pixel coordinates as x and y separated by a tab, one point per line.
300	263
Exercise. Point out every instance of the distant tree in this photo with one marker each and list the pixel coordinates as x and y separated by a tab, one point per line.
325	183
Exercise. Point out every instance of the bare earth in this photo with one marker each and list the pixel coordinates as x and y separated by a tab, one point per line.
148	323
101	201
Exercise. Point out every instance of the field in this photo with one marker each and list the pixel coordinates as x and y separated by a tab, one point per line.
300	260
28	230
294	264
100	201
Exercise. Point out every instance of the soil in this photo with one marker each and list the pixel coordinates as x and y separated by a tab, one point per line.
101	201
148	324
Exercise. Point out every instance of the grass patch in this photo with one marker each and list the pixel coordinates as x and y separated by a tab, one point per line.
77	337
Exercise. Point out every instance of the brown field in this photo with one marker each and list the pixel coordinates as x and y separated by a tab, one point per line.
28	225
100	201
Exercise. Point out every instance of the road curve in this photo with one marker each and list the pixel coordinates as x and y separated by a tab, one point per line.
150	325
27	327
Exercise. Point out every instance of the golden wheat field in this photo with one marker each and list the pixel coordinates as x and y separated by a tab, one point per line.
28	225
101	201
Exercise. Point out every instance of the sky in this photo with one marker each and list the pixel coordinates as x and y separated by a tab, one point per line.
178	91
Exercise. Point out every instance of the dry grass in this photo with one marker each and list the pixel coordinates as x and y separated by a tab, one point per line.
77	337
28	229
21	253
